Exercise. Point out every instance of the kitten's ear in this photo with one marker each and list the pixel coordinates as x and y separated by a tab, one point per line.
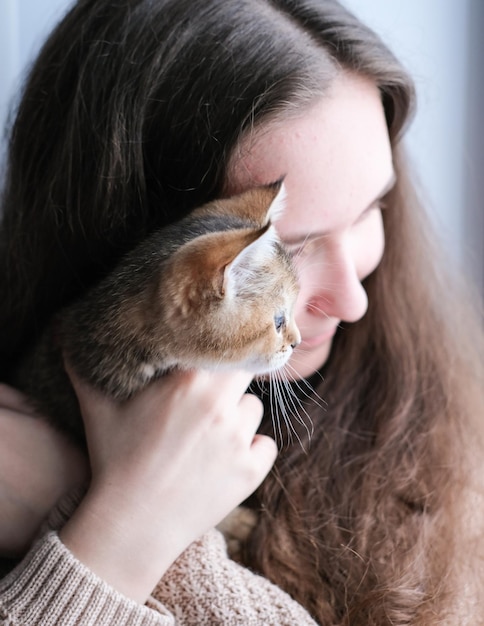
249	260
205	268
253	256
278	204
216	265
258	206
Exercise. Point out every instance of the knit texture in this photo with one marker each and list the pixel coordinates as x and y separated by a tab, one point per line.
50	587
206	588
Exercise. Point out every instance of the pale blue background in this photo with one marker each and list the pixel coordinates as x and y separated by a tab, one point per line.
439	41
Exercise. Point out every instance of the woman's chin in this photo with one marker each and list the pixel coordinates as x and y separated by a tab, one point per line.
305	360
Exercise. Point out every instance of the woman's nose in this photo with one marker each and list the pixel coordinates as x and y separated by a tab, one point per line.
338	292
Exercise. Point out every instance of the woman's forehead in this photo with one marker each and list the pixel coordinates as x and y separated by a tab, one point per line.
336	156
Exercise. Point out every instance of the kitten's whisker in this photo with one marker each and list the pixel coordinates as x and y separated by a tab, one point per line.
275	416
287	396
288	416
260	384
311	394
297	406
316	309
300	250
275	410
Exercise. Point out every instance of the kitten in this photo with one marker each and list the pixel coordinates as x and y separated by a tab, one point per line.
214	290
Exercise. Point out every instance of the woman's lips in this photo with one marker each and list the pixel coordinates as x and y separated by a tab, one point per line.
318	340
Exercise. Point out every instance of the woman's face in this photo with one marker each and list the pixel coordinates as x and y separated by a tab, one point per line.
337	163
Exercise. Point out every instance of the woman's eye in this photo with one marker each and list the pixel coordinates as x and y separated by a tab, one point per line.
309	247
378	206
363	216
294	252
279	321
298	253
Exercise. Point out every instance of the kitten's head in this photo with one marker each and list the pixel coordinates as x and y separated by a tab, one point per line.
231	293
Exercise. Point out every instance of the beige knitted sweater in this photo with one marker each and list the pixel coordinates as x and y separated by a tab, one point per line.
204	587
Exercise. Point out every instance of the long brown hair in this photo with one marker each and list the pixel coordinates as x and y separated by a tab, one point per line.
128	120
366	524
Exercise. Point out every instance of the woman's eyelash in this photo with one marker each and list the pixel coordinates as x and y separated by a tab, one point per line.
380	205
295	252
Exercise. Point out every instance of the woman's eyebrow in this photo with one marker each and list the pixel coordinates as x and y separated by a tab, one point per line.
298	240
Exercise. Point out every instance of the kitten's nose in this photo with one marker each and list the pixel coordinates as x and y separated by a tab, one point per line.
296	338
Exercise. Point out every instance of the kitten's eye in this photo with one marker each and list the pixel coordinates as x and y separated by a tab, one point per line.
279	321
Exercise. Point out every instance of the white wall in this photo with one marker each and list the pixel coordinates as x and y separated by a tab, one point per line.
23	26
438	42
418	32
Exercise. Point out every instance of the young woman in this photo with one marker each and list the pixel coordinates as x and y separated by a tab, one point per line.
134	114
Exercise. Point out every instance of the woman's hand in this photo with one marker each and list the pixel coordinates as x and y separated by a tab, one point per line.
37	467
166	466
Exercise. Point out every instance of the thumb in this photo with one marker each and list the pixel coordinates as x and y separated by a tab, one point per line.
88	397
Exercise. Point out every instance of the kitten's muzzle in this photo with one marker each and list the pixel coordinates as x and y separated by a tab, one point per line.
295	339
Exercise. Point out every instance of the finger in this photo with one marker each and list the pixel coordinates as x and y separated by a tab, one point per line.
264	453
14	400
210	392
87	396
232	383
251	411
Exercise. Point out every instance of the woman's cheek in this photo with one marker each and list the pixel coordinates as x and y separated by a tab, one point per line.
369	244
308	278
